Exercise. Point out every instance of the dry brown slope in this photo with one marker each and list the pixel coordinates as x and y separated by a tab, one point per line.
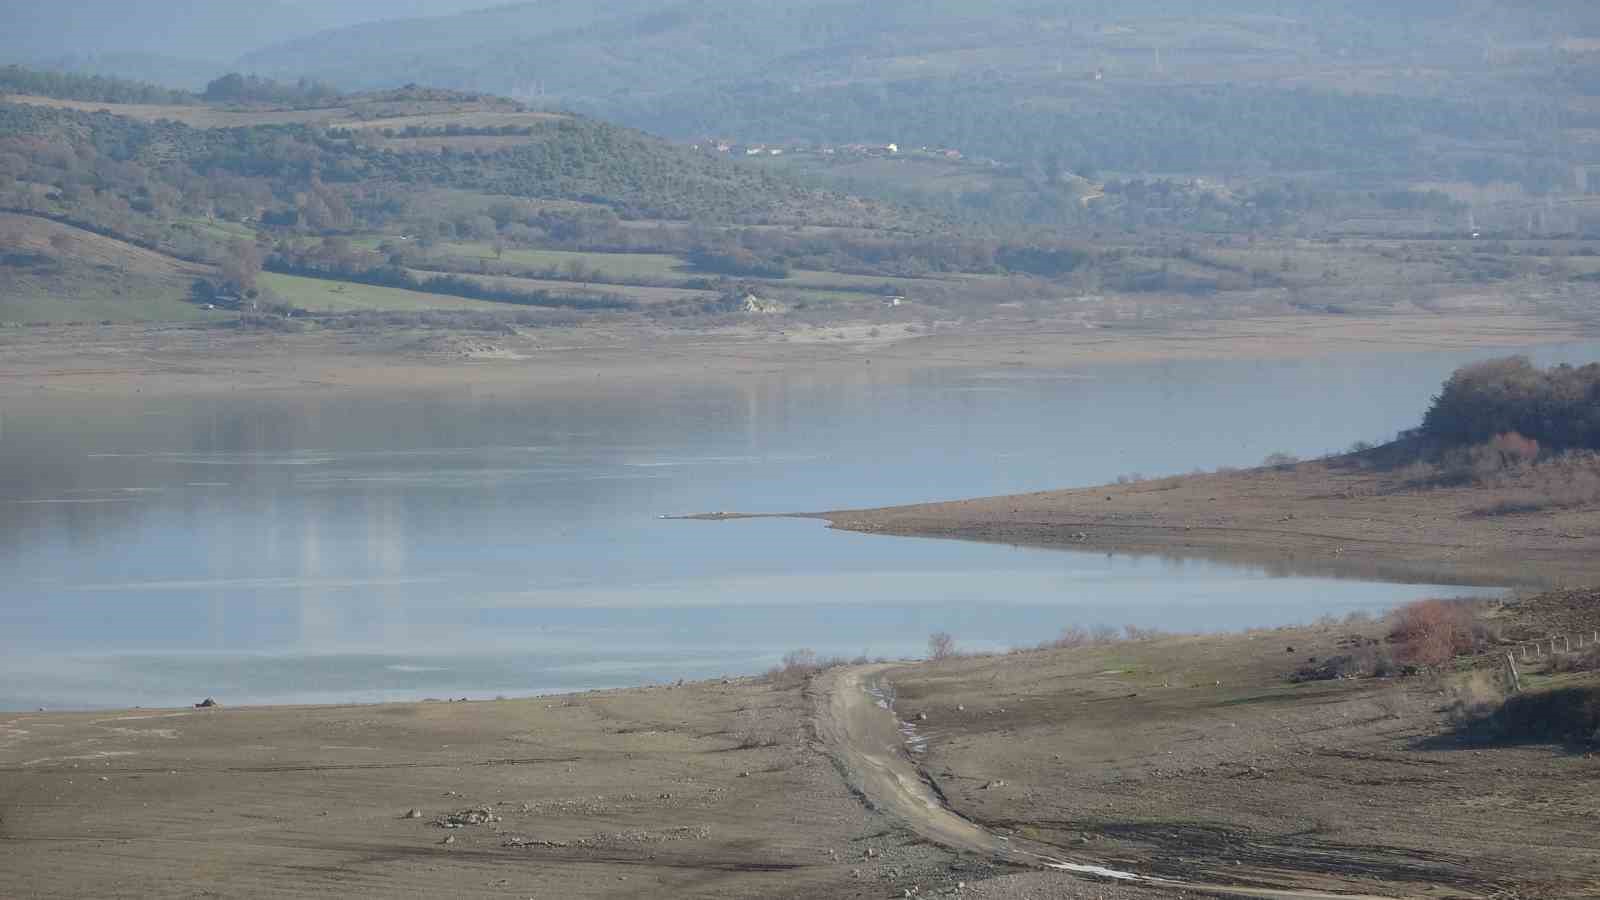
1194	758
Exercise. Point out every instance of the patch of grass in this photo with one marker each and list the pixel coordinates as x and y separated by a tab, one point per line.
125	298
224	231
620	266
321	295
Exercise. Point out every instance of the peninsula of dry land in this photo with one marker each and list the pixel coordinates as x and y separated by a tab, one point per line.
1351	515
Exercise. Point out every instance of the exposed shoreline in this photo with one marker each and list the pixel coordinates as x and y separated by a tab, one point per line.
196	361
1332	518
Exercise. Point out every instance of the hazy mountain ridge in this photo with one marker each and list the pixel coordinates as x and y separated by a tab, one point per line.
1017	80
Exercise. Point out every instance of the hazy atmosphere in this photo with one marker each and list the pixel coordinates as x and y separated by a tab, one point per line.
814	449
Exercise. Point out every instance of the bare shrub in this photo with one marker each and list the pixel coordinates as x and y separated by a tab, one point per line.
1140	633
797	665
1371	661
1475	697
1102	634
1382	664
756	740
1280	460
1567	481
1484	463
1432	632
1581	661
1072	637
941	646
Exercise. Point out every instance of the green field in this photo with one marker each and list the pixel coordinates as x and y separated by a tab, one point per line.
154	306
320	295
611	266
226	231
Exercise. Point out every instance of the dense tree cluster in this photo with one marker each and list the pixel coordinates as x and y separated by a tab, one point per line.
93	88
236	88
1558	407
132	178
1228	128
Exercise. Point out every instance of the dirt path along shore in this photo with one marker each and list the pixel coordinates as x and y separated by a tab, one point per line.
859	725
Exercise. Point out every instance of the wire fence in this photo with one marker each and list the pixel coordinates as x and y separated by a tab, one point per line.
1546	648
1528	651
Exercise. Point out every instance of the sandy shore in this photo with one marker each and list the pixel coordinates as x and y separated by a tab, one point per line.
176	360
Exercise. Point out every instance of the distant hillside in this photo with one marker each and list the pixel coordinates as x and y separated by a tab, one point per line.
384	143
55	272
1136	86
402	198
184	31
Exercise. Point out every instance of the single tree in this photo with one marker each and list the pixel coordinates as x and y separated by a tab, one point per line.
240	266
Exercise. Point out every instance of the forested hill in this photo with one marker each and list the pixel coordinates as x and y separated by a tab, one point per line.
1228	86
101	166
73	86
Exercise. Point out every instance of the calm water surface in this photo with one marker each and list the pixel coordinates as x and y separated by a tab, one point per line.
389	545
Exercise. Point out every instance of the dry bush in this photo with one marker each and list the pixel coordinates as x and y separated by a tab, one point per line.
797	666
941	646
1580	661
1280	460
758	739
1563	482
1371	661
1072	637
1489	462
1433	632
1474	697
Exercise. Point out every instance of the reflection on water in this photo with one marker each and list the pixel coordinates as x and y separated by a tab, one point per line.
365	546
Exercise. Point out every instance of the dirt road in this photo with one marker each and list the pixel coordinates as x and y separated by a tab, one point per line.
857	721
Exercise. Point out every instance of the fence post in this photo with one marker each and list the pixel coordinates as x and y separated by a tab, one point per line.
1569	643
1516	680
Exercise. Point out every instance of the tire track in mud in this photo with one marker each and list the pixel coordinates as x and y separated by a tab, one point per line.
856	720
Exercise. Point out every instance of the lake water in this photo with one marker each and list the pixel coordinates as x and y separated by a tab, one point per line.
343	546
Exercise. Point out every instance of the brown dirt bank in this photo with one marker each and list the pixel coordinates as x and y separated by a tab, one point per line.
1195	758
180	360
1337	517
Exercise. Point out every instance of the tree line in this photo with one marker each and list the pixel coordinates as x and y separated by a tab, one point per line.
1558	407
